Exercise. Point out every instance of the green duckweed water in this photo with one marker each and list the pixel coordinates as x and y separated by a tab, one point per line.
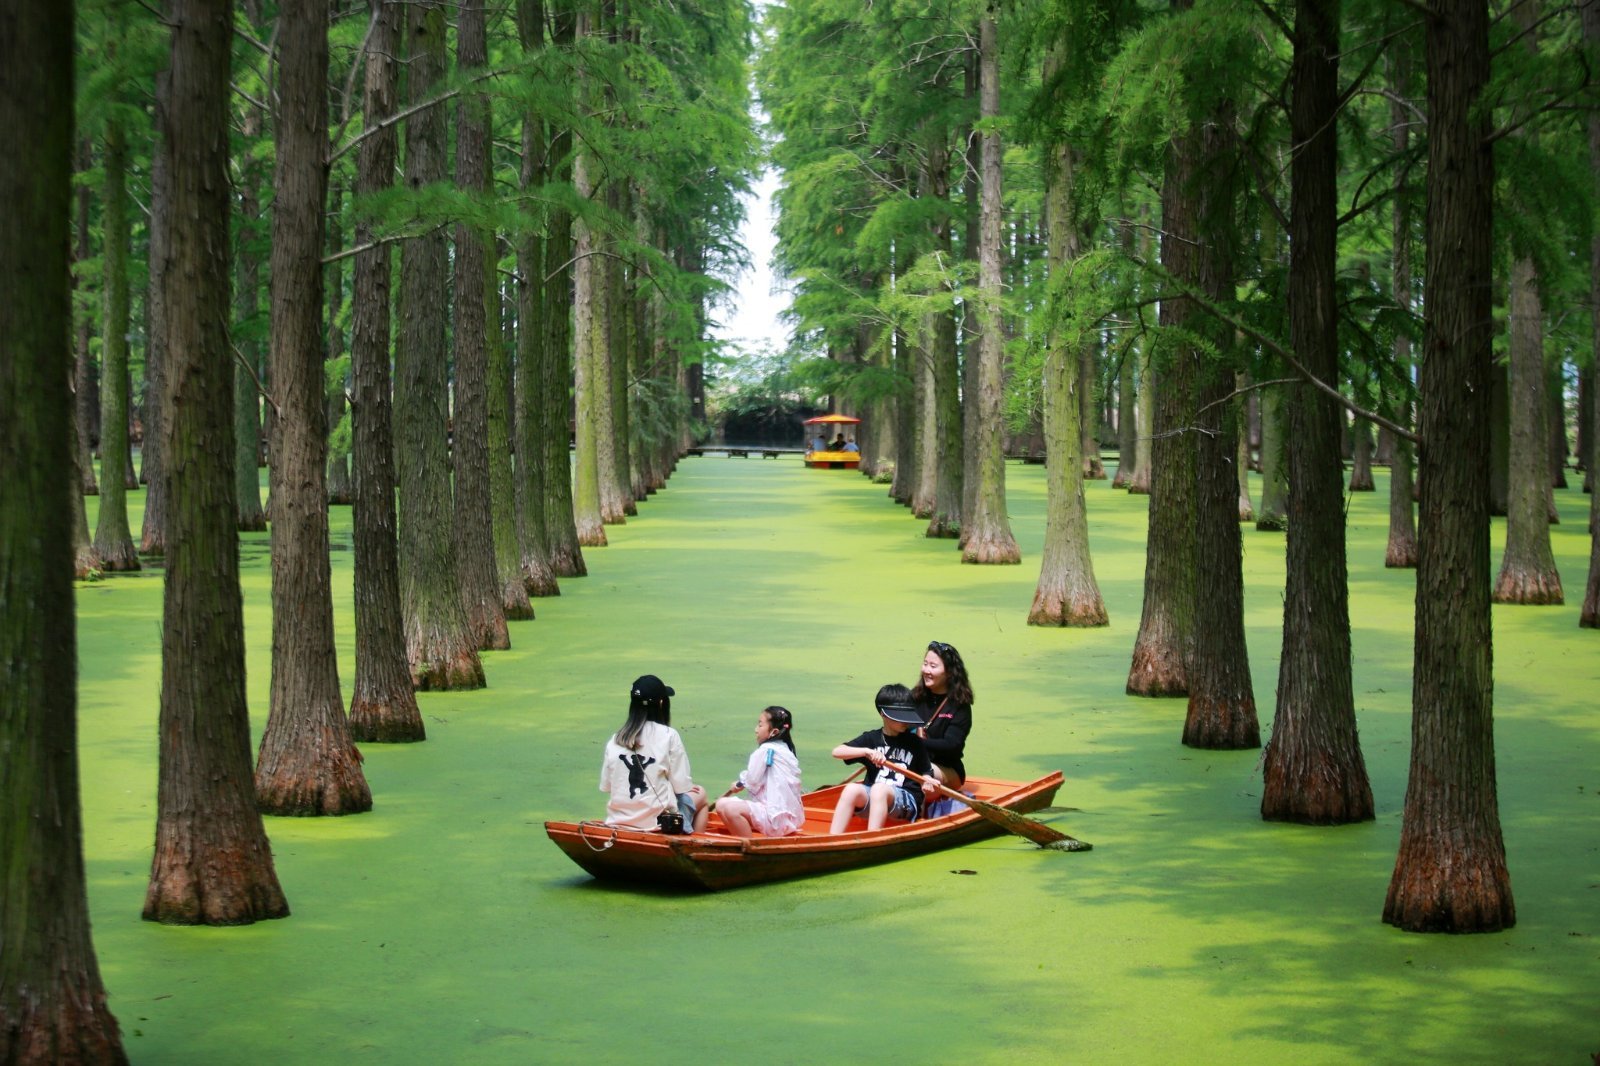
443	927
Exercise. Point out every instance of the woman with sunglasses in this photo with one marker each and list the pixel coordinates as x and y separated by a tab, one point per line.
943	696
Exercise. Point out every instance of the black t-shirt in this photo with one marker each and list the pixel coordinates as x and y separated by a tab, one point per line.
906	748
946	724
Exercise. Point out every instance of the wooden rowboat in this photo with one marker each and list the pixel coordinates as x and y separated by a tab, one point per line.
714	859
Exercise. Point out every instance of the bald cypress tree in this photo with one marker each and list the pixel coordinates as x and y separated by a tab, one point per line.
52	1000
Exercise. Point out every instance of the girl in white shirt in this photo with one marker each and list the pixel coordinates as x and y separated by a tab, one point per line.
772	780
645	769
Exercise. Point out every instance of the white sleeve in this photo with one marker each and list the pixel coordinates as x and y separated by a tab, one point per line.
605	769
755	772
678	764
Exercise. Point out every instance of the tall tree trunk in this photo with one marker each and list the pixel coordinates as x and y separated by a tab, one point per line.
616	495
1589	616
592	376
1401	550
1222	704
52	1000
247	362
474	521
1127	390
1499	431
339	488
1067	593
85	374
1528	571
112	538
1145	412
1361	479
556	359
1273	514
989	538
1313	768
384	706
307	764
1450	873
212	863
945	521
440	646
1241	449
1165	642
925	454
1094	468
152	540
534	411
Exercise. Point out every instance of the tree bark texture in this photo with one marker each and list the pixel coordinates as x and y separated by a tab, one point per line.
1094	468
1241	450
592	376
1499	430
246	365
1401	550
384	705
1067	593
52	1001
1361	479
535	419
1144	412
85	374
474	521
925	474
556	363
1589	615
339	488
987	538
1450	873
212	863
616	495
152	540
945	521
1528	571
440	646
112	538
1222	704
307	764
1313	769
1165	642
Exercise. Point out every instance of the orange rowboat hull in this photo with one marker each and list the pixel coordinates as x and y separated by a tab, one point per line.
713	860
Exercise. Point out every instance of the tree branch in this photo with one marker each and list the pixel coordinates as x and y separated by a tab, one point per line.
262	389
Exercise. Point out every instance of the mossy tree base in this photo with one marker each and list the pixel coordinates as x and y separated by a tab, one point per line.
1313	787
1530	587
463	670
1158	670
1401	553
991	549
1068	608
322	777
1221	724
1440	888
394	721
567	562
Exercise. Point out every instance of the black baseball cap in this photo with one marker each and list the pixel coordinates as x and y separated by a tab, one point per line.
649	687
905	713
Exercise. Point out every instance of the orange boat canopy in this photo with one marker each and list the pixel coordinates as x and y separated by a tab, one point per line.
833	420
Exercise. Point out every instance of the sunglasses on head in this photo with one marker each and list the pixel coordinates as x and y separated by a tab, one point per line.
944	650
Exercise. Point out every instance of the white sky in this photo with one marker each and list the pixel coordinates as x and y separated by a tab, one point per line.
752	321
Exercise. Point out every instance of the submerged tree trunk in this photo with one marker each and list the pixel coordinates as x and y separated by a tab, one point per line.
1313	769
1067	593
384	706
440	646
1361	479
52	1000
339	489
307	763
86	382
212	863
1222	704
1589	616
1165	642
1242	464
1450	873
945	521
112	538
1528	571
987	537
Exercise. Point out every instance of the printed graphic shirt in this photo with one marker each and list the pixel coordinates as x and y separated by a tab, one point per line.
903	748
646	782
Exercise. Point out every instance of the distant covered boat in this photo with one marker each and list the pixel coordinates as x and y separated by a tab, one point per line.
713	860
831	457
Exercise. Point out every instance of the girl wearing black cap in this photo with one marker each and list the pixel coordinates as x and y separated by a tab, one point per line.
944	697
645	769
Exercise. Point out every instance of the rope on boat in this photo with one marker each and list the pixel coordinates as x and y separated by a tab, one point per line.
584	836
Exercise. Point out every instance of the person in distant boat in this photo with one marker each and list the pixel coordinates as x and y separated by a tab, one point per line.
850	446
943	697
772	781
838	444
885	793
819	443
645	769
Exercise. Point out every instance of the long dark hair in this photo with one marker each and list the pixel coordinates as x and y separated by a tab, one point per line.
783	722
641	712
957	686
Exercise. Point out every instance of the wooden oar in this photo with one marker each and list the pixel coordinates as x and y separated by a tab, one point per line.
1010	821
